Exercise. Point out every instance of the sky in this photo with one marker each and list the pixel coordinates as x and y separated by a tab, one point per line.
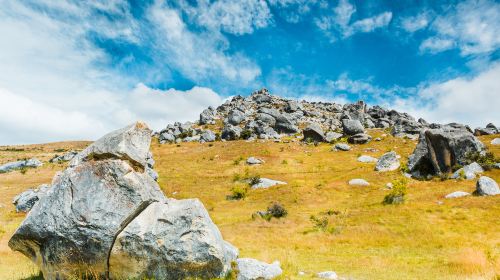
74	70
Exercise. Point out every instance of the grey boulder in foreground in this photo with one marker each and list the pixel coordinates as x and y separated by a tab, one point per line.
388	162
106	215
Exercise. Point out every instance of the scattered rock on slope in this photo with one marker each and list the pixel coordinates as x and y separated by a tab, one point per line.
495	141
314	132
487	186
388	162
468	172
358	182
341	147
254	160
331	275
27	199
367	159
63	158
457	194
265	183
250	269
360	138
352	127
29	163
101	198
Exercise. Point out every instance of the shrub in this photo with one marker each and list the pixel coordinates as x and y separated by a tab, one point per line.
397	194
275	210
217	136
254	180
486	160
404	167
245	134
23	170
284	161
238	192
238	160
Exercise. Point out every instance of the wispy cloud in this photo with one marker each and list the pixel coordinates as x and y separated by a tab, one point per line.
471	25
339	22
416	22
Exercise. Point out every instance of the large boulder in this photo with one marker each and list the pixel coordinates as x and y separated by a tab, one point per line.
440	149
231	132
175	239
207	116
352	127
314	132
235	117
73	228
468	172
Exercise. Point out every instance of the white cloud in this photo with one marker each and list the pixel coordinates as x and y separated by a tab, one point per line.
417	22
294	11
371	23
340	21
236	17
53	88
472	25
472	101
198	55
435	45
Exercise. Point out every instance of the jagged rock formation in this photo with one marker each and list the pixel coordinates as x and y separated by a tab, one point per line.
439	149
105	215
63	158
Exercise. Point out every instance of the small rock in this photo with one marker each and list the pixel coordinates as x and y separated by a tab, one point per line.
207	136
388	162
487	186
332	136
469	171
359	182
342	147
389	186
27	199
253	160
327	275
251	269
367	159
457	194
63	158
265	183
495	141
378	139
360	138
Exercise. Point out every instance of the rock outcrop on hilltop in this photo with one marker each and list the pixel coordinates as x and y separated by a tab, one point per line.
265	116
106	216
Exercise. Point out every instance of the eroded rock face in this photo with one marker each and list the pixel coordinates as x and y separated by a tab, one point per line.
29	163
101	198
440	149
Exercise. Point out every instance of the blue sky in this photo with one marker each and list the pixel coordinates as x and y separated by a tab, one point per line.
76	69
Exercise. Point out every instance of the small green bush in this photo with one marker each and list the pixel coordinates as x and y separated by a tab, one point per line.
245	134
404	167
275	210
254	180
238	192
486	160
397	194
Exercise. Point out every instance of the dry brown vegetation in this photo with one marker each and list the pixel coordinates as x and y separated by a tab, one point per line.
427	237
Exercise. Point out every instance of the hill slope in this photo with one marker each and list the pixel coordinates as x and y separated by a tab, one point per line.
428	237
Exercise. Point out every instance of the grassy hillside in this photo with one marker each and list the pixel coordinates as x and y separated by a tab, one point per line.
352	233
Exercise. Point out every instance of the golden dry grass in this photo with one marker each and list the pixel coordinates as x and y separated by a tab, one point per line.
428	237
